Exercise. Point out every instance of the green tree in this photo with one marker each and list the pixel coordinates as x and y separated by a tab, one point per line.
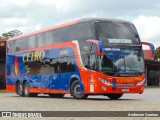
10	34
157	53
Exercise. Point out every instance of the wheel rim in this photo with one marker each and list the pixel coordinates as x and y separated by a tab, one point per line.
77	90
19	89
26	90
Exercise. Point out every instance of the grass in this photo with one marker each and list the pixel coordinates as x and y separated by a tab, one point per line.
3	91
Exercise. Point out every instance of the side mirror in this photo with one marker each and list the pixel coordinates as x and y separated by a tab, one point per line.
98	45
152	49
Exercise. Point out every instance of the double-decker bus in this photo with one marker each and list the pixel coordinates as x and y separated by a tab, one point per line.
90	56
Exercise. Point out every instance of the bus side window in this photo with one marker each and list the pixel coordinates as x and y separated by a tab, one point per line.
33	68
56	65
63	64
85	60
93	62
70	65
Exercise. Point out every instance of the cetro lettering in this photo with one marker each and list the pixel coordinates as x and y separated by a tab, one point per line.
34	56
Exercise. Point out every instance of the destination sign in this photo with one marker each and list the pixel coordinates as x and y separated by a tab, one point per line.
120	41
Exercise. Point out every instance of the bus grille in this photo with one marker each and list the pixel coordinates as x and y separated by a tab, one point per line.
126	85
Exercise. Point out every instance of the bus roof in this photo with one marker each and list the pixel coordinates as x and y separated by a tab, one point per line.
102	19
67	24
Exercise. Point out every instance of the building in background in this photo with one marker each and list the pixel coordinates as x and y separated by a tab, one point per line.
2	64
152	69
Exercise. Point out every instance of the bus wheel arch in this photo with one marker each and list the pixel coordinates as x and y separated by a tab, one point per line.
72	80
19	88
75	90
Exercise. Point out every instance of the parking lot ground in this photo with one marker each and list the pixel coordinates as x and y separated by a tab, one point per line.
148	101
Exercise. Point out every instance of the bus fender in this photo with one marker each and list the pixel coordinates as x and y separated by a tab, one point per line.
77	77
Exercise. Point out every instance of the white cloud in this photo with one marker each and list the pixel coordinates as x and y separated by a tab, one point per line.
148	28
21	24
20	2
31	15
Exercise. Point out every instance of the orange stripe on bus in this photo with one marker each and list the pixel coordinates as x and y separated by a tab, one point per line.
11	88
43	90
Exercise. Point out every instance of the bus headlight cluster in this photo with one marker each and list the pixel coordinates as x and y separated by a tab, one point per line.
140	83
105	82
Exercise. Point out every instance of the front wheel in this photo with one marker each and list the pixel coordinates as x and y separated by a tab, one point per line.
114	96
75	91
26	91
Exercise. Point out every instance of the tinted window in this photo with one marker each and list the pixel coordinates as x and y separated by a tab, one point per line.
93	62
85	47
41	40
56	64
25	44
33	68
63	64
30	42
93	48
117	33
85	60
83	31
50	66
47	67
67	65
50	38
80	31
70	65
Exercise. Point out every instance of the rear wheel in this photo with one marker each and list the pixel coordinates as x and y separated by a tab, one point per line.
75	91
114	96
56	95
19	89
26	91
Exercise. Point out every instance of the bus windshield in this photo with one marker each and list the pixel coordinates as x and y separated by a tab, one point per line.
117	61
119	33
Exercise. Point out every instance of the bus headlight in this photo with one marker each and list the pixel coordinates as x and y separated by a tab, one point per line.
105	82
140	83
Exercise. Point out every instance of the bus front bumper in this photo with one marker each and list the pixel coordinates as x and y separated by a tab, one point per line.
104	89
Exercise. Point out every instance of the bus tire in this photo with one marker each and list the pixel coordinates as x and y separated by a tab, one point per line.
75	91
56	95
26	91
19	89
114	96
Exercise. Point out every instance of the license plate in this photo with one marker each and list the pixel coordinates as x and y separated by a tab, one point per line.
125	89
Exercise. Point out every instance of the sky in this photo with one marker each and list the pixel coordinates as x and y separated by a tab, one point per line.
32	15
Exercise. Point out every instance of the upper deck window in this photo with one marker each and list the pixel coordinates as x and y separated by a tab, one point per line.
119	33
